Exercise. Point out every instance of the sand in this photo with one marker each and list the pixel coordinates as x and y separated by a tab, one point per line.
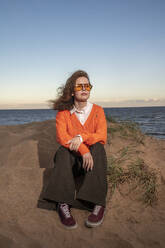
26	159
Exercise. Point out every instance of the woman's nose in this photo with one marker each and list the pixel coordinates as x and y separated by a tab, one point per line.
83	87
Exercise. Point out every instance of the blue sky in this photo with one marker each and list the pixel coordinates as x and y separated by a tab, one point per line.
120	43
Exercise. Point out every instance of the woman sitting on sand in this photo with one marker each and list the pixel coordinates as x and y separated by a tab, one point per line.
81	131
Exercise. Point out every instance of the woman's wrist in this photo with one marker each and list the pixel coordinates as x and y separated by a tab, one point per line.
78	135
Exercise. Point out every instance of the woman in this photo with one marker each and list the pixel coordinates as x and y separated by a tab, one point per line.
81	131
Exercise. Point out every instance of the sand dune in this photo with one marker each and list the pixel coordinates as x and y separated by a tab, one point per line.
26	159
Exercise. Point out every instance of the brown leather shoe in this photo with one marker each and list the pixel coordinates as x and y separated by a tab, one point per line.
66	218
96	217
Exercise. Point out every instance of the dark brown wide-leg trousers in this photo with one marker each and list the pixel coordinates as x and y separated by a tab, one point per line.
63	186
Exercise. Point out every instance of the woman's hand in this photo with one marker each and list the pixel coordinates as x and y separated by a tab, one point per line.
74	143
87	161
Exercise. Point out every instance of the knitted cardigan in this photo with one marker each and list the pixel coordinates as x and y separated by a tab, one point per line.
94	129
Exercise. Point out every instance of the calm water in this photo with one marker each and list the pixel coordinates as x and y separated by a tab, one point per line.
150	119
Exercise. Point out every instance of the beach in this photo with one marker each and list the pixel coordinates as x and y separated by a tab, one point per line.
26	160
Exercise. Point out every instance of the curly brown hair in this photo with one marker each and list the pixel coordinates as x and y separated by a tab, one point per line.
65	99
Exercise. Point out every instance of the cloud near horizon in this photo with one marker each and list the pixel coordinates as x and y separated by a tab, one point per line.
133	103
125	103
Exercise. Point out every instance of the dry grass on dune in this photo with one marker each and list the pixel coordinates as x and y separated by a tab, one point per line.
126	165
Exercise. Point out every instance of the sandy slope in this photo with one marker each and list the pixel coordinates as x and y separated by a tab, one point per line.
26	153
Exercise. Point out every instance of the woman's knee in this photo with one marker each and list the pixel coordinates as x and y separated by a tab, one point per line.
61	153
98	153
97	146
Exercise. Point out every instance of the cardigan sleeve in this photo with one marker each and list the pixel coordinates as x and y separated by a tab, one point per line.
100	134
63	136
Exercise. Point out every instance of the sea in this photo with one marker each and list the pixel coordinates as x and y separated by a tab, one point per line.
151	120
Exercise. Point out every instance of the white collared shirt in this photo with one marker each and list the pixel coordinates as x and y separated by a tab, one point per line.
83	114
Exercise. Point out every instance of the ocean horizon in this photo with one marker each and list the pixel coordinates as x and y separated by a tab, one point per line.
151	120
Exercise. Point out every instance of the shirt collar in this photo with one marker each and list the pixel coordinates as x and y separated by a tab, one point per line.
74	109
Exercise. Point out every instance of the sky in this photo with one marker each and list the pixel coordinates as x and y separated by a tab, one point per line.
119	43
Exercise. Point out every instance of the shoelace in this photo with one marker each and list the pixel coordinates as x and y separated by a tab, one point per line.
96	209
65	209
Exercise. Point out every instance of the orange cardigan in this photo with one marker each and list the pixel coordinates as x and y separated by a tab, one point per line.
94	129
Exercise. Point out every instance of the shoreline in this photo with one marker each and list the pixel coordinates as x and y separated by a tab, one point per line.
150	120
117	121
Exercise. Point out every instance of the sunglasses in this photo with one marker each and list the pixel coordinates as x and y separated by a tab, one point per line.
79	87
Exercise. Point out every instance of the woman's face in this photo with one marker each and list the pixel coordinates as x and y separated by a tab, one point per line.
83	94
